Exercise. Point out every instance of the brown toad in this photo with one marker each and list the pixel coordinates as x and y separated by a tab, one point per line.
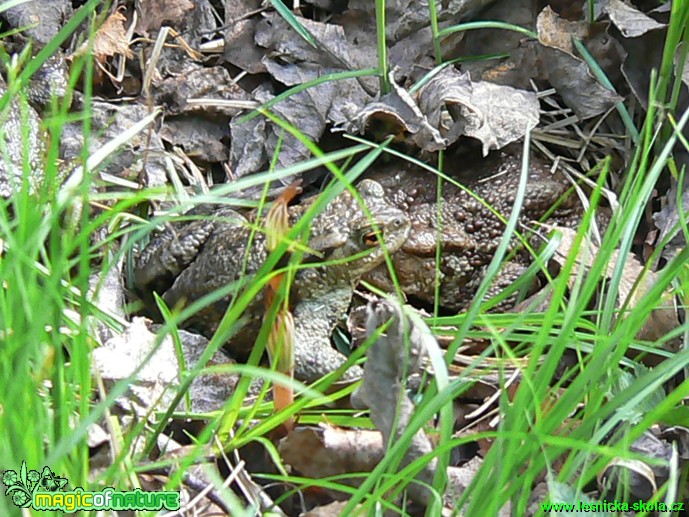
186	263
469	232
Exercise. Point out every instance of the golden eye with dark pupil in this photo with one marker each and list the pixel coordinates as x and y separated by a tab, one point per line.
369	238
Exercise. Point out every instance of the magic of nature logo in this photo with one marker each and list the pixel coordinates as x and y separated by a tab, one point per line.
23	485
45	491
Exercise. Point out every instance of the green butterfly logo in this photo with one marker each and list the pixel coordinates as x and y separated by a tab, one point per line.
23	485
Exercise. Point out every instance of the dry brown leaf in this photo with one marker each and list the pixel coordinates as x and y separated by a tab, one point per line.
664	317
110	40
631	22
494	114
329	451
557	32
334	508
154	13
567	73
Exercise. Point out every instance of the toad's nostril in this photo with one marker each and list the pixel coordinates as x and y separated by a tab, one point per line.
398	222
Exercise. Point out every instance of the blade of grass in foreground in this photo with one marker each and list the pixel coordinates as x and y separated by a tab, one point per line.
292	20
45	377
382	48
579	409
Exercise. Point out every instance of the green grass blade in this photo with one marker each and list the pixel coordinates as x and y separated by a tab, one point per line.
486	25
382	48
293	22
337	76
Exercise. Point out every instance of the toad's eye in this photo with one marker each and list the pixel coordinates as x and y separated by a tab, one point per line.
398	222
369	238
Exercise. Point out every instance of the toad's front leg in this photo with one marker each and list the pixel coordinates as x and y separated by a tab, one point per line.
314	320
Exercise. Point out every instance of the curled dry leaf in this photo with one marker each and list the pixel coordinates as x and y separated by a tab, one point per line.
628	476
397	114
449	106
494	114
652	446
110	40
